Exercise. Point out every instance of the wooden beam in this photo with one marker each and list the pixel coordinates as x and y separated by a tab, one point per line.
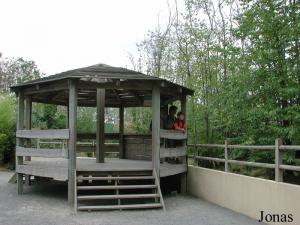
173	134
173	152
121	131
100	125
156	129
45	134
19	142
184	159
28	111
72	139
41	152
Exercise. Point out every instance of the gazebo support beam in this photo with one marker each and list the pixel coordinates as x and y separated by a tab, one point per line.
28	111
156	129
72	139
183	182
20	126
100	125
121	131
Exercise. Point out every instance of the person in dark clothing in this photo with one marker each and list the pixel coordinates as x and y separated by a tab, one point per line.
171	118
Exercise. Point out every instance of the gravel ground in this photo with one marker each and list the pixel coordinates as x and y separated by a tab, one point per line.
47	204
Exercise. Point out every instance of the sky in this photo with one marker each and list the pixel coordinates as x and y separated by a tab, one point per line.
66	34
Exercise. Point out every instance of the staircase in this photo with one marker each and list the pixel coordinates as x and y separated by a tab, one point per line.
117	190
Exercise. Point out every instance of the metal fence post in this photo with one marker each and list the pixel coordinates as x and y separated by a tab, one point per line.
226	156
278	161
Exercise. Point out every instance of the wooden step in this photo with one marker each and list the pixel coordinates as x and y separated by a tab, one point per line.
127	196
114	187
80	178
112	207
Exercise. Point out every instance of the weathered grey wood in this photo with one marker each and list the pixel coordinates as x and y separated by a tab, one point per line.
210	158
19	142
107	148
173	134
207	145
173	152
253	164
289	167
290	147
156	129
81	178
121	131
28	111
254	147
226	156
100	126
278	161
157	183
72	139
44	134
90	136
114	187
119	196
112	207
42	152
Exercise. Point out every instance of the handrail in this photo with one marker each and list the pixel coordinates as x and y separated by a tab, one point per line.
278	148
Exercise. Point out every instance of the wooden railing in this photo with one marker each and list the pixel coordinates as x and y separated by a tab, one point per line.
178	151
25	147
278	166
86	143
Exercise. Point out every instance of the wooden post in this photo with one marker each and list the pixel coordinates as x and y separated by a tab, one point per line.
183	182
28	111
278	161
72	139
156	130
226	156
121	132
20	126
100	126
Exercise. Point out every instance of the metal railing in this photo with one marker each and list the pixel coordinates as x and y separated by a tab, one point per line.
278	166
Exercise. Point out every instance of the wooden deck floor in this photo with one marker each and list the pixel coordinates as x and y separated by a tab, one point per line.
58	168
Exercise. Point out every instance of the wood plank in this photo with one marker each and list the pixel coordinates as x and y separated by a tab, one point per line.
92	136
114	187
80	178
172	152
112	207
125	196
91	148
173	134
254	164
73	92
121	131
41	152
44	134
156	129
100	125
20	126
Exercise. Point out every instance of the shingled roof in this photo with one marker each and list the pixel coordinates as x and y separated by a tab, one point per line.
97	75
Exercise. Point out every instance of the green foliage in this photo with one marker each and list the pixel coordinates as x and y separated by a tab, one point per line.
242	59
7	127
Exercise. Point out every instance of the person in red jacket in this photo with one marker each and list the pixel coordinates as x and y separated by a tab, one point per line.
180	123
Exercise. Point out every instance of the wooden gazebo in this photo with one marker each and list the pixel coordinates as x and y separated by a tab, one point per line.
99	86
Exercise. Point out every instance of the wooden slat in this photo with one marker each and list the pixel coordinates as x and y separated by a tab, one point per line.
290	147
210	158
289	167
111	207
80	178
41	152
172	134
110	187
45	134
172	152
89	136
253	147
107	148
254	164
126	196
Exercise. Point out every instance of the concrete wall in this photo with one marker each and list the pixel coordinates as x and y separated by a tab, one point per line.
244	194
